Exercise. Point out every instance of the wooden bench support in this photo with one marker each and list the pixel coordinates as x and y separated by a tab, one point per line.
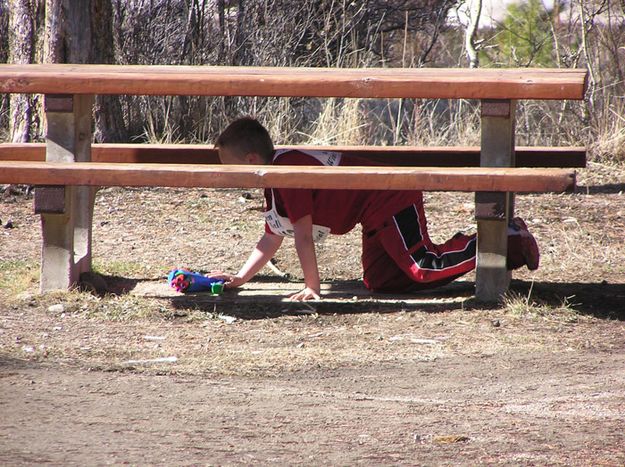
66	215
498	131
50	200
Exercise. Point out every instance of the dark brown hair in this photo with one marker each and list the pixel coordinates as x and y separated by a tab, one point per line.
246	135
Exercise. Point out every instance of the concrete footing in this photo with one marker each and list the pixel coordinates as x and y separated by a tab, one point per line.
66	212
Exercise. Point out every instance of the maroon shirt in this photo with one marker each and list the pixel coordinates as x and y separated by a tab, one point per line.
340	210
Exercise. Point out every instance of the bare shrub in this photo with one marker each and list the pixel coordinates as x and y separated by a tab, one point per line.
327	33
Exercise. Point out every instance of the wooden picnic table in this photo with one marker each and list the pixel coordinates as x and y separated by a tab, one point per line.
69	91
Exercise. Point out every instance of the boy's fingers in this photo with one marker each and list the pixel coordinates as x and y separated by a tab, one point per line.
296	297
219	275
304	295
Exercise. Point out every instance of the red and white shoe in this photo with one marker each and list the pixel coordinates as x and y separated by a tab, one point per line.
522	246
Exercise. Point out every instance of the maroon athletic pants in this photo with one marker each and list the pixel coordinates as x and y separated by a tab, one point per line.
400	257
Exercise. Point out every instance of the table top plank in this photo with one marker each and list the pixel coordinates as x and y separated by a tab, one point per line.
481	83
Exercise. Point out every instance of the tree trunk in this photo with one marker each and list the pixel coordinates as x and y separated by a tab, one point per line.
4	58
221	11
68	31
53	43
474	11
21	47
109	119
80	31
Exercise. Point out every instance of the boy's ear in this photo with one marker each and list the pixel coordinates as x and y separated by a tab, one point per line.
254	158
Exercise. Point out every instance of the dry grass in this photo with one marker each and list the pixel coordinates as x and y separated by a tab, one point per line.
527	307
17	276
121	268
106	332
424	122
339	122
166	132
610	127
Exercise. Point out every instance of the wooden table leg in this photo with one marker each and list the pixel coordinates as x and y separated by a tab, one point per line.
497	150
66	212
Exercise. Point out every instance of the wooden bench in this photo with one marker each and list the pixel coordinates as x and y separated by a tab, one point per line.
74	167
401	156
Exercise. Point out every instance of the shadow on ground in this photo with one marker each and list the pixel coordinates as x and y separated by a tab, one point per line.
607	188
100	284
602	300
267	297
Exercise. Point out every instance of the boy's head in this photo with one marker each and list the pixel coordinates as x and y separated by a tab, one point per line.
245	141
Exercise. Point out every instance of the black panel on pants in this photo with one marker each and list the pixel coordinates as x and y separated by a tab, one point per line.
428	260
408	224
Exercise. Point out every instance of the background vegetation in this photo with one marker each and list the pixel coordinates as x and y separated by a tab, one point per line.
332	33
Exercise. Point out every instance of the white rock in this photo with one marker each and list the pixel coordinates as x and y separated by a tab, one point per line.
154	338
172	359
228	319
59	308
25	296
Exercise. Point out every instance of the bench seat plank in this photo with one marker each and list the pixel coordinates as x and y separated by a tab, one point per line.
406	156
235	176
437	83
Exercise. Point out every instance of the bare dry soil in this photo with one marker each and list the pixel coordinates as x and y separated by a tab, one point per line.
130	372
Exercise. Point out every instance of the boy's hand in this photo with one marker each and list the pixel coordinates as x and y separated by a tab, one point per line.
306	294
230	280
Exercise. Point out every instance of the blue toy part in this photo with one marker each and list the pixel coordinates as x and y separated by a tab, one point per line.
194	282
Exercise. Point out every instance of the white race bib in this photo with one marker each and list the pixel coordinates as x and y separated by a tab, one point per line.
280	225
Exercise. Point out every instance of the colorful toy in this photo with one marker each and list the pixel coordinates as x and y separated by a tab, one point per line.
185	281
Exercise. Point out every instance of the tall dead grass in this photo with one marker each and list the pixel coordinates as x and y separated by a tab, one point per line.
609	143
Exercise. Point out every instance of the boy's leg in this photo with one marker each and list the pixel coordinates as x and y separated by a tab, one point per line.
385	250
380	273
409	250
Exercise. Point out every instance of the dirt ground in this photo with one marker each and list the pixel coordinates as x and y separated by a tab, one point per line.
142	375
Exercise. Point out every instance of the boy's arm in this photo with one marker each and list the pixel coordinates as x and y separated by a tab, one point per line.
265	249
308	259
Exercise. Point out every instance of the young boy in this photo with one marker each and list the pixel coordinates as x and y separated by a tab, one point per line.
397	253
